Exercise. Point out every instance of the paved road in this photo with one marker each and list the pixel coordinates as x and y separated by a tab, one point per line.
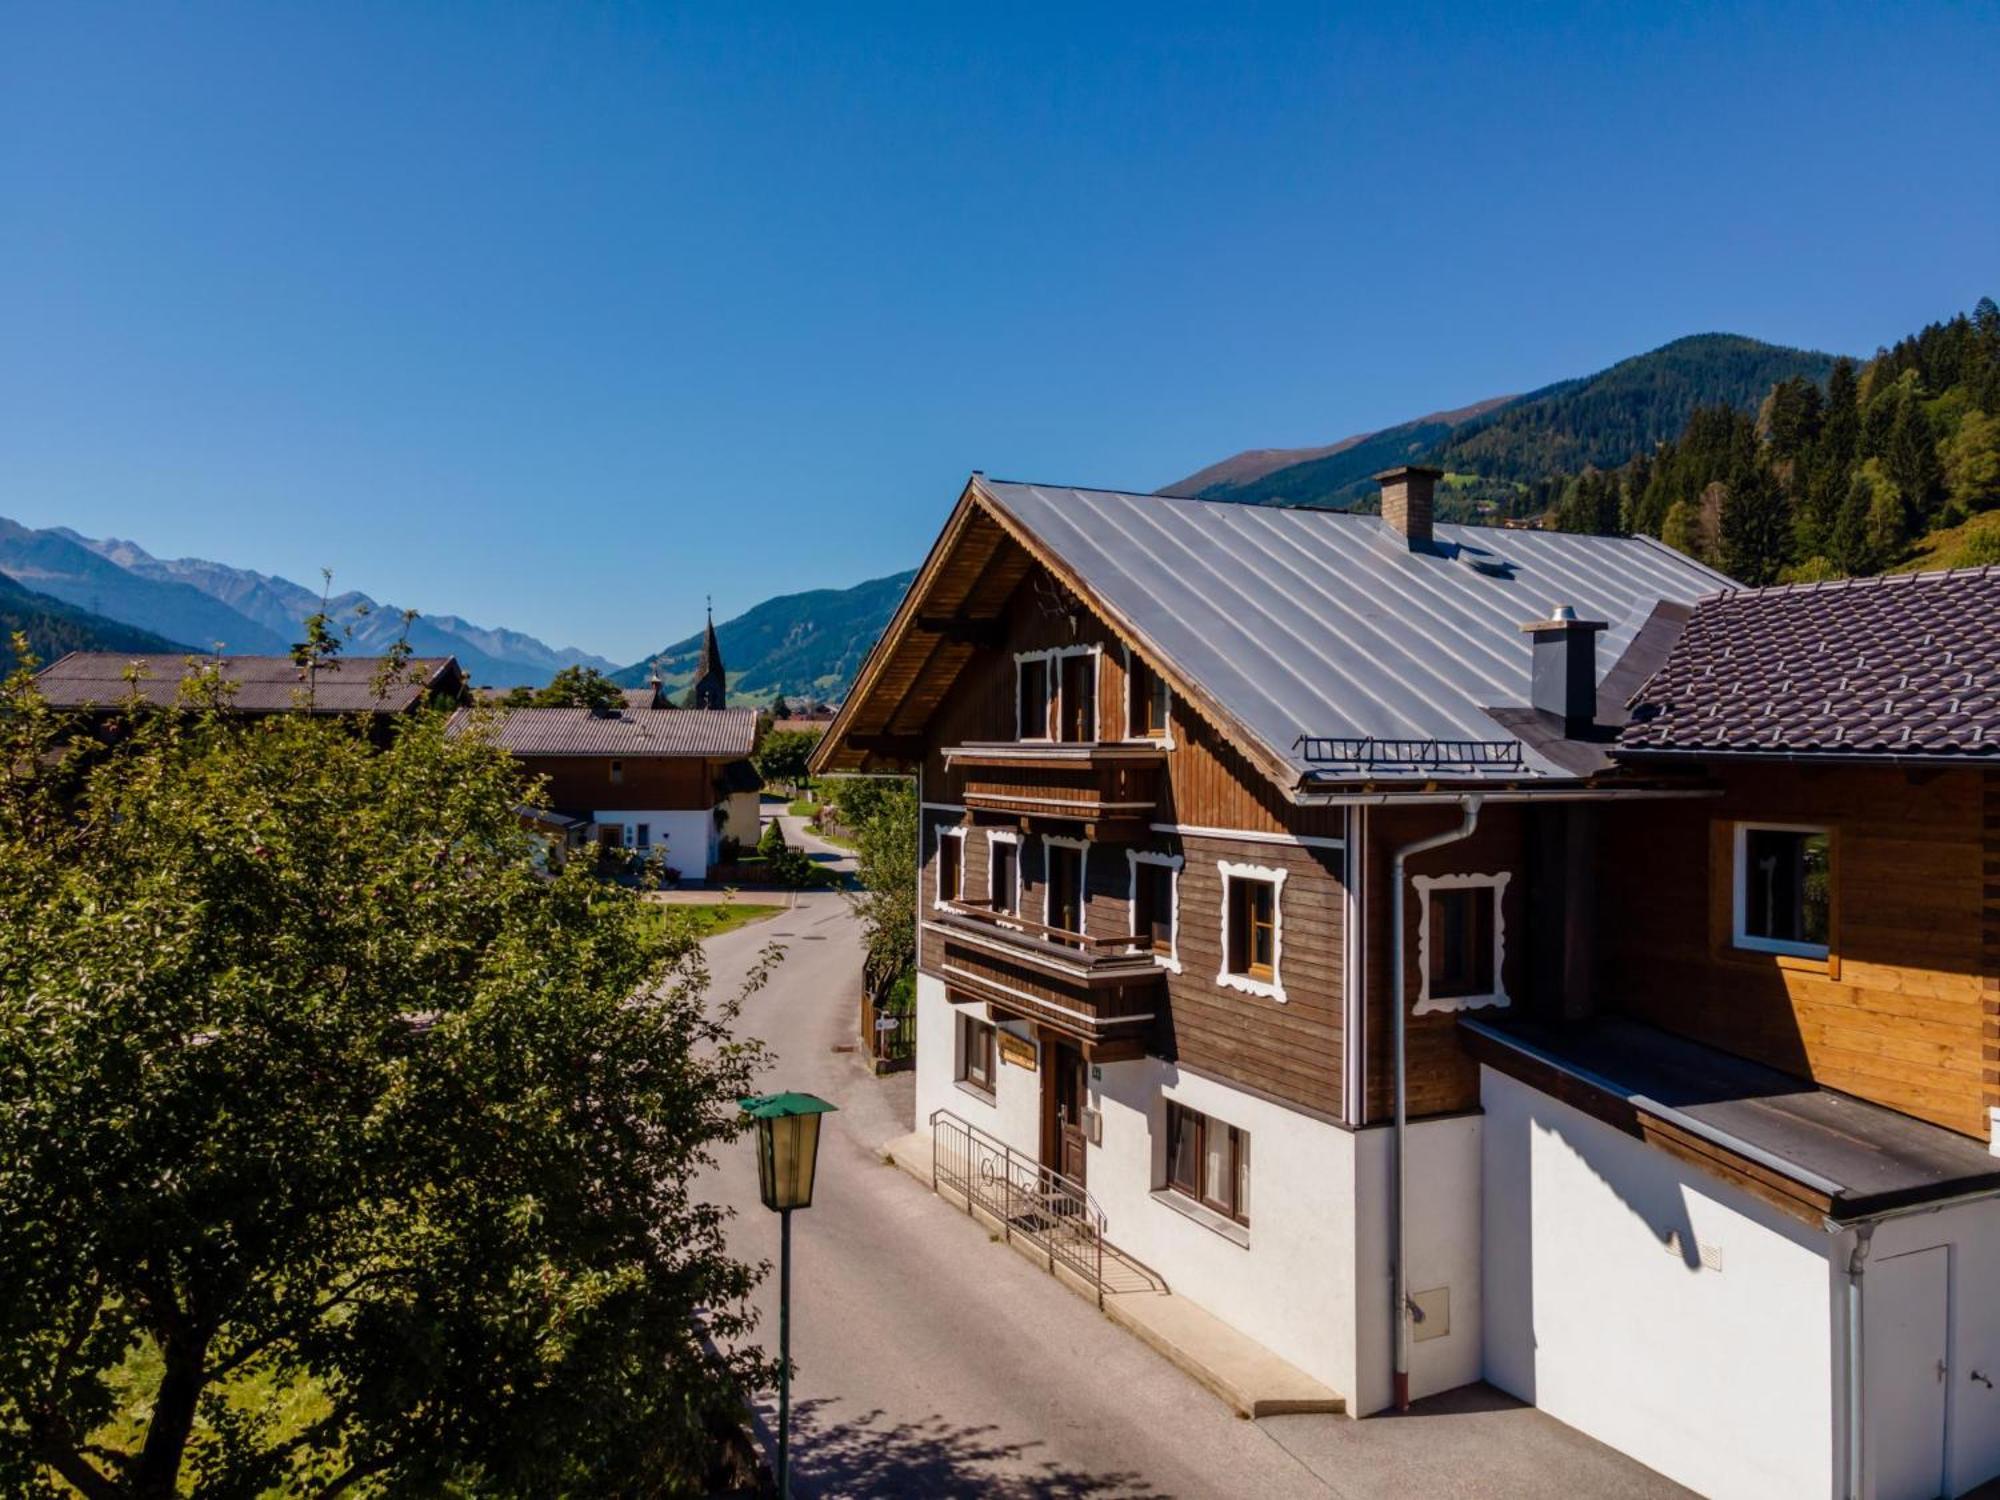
932	1362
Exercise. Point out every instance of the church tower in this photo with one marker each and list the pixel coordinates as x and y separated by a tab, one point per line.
711	685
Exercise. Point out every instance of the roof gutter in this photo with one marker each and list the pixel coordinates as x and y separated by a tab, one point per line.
1399	1270
1559	793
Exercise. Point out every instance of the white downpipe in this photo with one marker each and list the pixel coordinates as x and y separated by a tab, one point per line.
1399	1298
1863	1235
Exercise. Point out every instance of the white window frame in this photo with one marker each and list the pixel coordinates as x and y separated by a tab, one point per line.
1052	659
1498	996
963	1019
1274	987
1001	836
1171	959
1164	741
1739	901
947	831
1082	879
1049	690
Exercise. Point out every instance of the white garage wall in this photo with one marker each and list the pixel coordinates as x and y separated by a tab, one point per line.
1291	1288
1972	1412
1719	1375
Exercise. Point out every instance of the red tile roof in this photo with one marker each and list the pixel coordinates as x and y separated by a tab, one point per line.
710	733
1904	665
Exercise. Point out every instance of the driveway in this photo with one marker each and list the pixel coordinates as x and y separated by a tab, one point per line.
932	1362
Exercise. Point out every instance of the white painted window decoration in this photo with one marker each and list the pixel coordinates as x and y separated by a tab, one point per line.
1149	704
950	874
976	1061
1489	916
1243	967
1146	936
1782	880
1040	679
1052	842
1003	874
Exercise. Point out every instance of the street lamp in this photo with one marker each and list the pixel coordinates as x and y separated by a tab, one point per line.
787	1158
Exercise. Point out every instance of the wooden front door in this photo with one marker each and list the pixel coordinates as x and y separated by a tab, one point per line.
1068	1095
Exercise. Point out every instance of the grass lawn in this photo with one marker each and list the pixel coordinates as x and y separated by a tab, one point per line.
804	808
709	919
1972	545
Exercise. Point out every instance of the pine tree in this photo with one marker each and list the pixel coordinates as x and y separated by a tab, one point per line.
1850	548
1755	529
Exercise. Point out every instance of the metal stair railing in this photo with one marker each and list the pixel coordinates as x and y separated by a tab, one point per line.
1048	1210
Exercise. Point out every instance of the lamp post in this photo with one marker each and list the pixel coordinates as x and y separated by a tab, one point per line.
787	1156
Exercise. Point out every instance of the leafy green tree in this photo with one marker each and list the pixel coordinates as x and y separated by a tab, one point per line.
1972	463
1888	523
883	816
785	756
1682	530
581	687
339	1150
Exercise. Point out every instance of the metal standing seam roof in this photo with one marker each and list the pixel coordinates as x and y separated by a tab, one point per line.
261	684
631	734
1902	665
1322	623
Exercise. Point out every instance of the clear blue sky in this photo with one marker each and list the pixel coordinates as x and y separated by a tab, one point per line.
555	317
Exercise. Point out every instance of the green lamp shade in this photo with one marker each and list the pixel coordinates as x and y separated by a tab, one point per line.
787	1146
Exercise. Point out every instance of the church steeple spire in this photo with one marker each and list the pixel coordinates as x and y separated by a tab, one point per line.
710	688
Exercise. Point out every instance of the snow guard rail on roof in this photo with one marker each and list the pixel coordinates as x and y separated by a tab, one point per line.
1327	754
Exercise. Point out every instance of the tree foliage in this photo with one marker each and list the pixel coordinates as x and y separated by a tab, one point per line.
580	687
785	755
882	812
1822	482
310	1084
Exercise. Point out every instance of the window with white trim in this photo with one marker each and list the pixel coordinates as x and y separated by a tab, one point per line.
1784	888
1076	720
1148	703
976	1061
1461	941
1031	697
1209	1162
1155	904
1252	930
950	864
1003	872
1064	893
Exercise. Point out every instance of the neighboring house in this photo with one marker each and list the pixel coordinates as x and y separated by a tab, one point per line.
665	783
102	683
1245	830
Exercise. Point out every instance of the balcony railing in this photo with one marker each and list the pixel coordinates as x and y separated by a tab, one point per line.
1113	786
984	913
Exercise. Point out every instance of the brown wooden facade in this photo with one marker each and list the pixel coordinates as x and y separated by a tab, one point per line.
1619	906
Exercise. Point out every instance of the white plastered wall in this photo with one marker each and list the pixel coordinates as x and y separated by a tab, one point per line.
742	819
1708	1357
1013	1115
685	839
1291	1286
1443	1256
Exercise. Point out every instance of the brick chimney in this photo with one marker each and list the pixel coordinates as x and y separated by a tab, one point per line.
1406	502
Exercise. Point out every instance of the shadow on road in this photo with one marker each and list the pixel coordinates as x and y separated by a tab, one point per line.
872	1454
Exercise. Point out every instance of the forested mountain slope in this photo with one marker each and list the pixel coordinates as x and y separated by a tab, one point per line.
55	629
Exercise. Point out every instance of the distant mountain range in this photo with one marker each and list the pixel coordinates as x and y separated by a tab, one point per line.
54	628
808	644
199	603
1602	419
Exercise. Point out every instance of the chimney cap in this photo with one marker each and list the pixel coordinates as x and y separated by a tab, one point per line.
1562	620
1407	471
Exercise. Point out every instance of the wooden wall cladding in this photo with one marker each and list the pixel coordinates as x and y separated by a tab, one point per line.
1290	1050
1906	1014
581	783
1443	1078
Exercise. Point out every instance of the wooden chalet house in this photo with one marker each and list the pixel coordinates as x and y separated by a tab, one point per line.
666	784
101	685
1287	894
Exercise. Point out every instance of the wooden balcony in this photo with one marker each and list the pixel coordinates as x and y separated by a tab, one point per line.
1112	789
1095	990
